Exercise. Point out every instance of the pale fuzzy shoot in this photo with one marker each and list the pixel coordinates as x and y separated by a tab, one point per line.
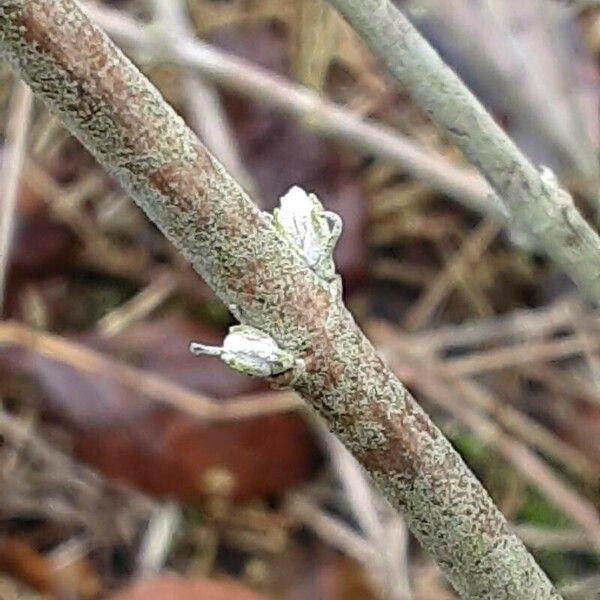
313	230
251	352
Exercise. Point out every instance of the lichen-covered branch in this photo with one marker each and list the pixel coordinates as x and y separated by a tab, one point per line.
138	138
533	197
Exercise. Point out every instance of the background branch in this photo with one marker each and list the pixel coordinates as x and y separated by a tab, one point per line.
13	156
311	111
534	199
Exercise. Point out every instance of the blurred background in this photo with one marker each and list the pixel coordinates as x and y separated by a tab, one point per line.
131	469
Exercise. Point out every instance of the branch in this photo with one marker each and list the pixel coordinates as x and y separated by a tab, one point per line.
15	145
137	137
534	199
311	111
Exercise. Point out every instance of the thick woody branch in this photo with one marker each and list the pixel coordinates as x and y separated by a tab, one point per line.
125	123
534	199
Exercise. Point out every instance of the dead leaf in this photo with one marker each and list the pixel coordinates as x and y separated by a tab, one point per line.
153	445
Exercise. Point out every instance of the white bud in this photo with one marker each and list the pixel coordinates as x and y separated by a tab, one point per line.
313	230
251	352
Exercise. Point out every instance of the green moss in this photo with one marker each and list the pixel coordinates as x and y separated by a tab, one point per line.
472	449
536	510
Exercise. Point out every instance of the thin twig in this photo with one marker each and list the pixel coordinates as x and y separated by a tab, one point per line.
330	529
449	395
154	386
138	307
311	111
17	126
558	540
531	432
474	246
515	326
534	199
529	352
563	382
382	527
516	97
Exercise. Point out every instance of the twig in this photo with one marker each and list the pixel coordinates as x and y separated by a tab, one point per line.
125	123
476	244
534	199
552	105
590	353
154	386
17	126
585	588
531	432
311	111
403	272
516	422
516	97
522	459
516	326
382	527
50	485
158	539
449	395
529	352
140	306
560	540
563	382
330	529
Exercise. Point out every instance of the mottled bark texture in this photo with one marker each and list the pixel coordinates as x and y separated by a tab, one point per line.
125	123
535	201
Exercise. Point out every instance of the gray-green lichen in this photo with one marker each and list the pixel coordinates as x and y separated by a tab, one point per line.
536	206
125	123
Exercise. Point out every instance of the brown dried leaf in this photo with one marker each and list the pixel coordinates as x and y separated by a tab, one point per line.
153	445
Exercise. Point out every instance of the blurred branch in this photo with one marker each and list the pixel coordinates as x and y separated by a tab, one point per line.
138	307
158	388
122	119
330	529
455	396
381	526
73	491
13	157
311	111
534	199
558	540
520	95
585	588
158	539
472	248
527	352
516	326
